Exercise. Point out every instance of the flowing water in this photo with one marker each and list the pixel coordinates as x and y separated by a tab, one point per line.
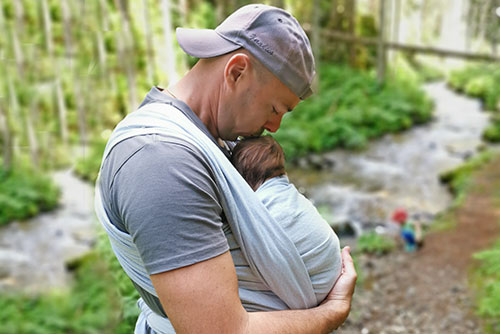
34	253
360	190
357	189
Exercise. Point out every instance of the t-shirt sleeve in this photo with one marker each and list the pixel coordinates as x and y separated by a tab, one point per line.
168	201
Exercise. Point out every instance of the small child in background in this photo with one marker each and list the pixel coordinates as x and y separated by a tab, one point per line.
261	162
411	232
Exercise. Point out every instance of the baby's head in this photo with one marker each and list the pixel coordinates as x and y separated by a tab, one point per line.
258	159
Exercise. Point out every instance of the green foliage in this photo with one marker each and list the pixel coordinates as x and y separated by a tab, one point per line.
350	109
487	281
91	306
459	179
87	167
492	132
102	300
374	243
479	81
127	292
24	192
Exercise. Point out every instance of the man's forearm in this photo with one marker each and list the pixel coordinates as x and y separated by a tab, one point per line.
321	319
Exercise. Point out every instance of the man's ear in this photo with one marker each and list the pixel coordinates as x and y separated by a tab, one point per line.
236	68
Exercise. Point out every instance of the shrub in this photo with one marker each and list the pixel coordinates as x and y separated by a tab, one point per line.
24	192
492	132
351	109
87	167
478	81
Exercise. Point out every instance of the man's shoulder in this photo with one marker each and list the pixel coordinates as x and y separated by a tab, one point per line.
151	151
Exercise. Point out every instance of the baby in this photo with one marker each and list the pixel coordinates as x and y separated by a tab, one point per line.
261	162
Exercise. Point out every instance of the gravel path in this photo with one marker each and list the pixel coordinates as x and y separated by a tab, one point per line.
428	291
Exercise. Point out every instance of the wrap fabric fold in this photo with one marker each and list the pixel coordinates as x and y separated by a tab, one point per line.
270	254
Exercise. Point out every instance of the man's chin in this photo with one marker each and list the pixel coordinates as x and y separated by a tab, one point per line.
256	134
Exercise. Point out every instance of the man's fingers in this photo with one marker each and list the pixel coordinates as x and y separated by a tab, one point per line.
347	262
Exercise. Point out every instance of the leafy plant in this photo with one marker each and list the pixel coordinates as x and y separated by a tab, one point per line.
487	281
479	81
24	192
90	306
374	243
350	109
459	179
87	167
492	132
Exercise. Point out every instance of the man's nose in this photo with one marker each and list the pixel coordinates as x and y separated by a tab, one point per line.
274	123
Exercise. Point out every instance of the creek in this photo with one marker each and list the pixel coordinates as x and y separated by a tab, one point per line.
358	191
34	254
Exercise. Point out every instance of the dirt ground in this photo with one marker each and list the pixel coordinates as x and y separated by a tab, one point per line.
428	291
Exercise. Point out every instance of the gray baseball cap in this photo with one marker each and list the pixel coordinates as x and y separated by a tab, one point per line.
270	34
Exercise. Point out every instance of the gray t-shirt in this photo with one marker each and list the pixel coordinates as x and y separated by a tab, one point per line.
163	193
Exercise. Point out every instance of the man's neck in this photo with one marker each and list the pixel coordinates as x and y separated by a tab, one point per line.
201	95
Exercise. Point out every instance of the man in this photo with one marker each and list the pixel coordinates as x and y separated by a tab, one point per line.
163	198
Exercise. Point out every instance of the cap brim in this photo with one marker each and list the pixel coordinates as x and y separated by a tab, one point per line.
203	43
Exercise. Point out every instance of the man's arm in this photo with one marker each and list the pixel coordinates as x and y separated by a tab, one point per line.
203	298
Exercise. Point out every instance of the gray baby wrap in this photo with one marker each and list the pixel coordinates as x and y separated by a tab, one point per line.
316	242
272	262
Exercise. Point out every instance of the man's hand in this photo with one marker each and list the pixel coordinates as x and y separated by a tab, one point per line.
339	299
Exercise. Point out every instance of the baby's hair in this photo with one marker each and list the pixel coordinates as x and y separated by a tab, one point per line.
258	159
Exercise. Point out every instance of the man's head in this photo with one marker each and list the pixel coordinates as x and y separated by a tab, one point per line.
268	67
270	34
258	159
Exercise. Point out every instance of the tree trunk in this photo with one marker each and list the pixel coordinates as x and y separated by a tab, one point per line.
3	26
182	64
332	22
395	24
150	63
68	40
381	51
62	112
30	130
19	9
351	12
6	138
483	21
80	108
315	40
102	55
126	41
279	3
169	48
16	114
104	23
103	11
219	11
47	27
18	52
